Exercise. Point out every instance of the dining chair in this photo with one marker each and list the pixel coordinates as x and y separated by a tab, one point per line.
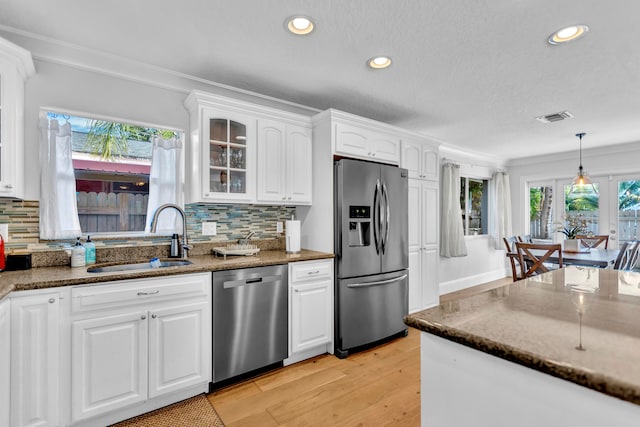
634	253
525	239
514	259
623	258
536	263
592	242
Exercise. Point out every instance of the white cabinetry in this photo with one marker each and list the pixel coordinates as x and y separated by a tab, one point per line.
420	159
246	153
136	340
5	361
310	309
358	137
16	66
37	323
423	244
284	163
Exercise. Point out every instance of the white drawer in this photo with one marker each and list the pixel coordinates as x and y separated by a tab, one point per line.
310	270
135	291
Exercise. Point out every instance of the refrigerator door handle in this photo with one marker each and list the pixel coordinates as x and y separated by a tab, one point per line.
377	232
385	196
380	282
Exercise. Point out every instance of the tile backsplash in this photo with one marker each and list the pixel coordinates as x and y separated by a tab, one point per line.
233	222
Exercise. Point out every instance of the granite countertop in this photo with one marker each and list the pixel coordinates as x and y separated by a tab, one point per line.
50	277
535	323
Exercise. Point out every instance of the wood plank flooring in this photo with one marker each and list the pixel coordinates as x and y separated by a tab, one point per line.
377	387
380	386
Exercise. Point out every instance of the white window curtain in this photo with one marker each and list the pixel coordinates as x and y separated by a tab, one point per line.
58	207
451	230
165	184
501	208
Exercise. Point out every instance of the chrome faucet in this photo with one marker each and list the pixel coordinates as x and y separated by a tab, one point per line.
245	240
154	225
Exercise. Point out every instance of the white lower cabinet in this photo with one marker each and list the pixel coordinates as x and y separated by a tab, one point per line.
310	309
5	361
38	320
138	340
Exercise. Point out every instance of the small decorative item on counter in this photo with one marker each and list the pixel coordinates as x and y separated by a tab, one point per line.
90	251
18	261
78	255
174	252
155	263
2	264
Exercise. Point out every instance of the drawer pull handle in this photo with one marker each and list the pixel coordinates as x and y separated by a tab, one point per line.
313	272
143	317
148	293
153	316
52	300
296	290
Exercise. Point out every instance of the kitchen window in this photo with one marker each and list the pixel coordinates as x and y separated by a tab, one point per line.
474	205
109	175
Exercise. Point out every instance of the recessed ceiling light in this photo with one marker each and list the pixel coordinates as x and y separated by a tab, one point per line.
567	34
379	62
299	25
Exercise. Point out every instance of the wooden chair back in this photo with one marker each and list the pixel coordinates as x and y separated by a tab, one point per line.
594	241
536	262
628	256
525	239
512	254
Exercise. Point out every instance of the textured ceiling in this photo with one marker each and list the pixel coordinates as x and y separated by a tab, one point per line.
471	73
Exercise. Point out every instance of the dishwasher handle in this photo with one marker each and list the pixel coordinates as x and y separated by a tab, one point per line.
251	281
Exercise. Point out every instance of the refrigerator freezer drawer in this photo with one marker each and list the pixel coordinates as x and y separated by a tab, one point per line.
371	308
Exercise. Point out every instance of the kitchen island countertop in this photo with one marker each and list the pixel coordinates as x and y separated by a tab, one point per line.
535	323
50	277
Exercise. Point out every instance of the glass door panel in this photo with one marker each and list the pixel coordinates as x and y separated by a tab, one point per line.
227	156
628	208
582	208
541	212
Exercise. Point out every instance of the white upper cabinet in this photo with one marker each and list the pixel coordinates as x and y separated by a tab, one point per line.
245	153
420	158
16	66
284	163
361	138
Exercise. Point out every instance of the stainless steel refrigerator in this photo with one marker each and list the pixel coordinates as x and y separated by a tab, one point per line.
371	202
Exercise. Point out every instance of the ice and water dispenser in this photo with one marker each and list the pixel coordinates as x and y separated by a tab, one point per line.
359	225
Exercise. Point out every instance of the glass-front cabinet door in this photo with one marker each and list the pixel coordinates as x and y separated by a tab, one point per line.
229	144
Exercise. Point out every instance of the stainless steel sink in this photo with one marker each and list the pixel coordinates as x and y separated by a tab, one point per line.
137	266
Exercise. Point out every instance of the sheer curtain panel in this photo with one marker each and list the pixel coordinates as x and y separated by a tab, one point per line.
501	208
165	184
58	208
451	231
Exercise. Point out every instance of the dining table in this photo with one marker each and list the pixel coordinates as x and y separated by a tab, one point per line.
601	258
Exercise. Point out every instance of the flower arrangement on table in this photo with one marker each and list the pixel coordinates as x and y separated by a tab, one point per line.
574	225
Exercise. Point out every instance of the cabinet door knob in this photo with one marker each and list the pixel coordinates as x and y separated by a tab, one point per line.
153	316
143	317
52	300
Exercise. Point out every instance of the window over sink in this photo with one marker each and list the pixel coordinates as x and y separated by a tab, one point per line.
109	173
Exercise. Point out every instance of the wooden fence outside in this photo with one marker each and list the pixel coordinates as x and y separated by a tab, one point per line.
628	226
111	212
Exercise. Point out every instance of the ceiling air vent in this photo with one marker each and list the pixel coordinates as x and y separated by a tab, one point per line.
555	117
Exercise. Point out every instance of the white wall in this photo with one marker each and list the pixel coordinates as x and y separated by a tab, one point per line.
613	160
483	262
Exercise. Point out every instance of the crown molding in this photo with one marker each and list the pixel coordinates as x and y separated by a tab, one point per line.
47	49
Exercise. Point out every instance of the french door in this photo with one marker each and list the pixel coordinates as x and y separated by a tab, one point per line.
611	205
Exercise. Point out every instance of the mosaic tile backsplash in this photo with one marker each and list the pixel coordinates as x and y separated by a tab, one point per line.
233	222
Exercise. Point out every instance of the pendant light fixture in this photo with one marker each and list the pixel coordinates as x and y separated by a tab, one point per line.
582	179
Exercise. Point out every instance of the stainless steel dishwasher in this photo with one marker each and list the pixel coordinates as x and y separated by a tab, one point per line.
250	327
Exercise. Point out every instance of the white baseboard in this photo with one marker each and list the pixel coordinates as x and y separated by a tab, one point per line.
476	279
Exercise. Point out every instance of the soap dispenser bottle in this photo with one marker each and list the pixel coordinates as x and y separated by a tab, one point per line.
174	251
90	251
78	255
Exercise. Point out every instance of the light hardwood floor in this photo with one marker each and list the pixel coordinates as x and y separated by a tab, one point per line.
377	387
